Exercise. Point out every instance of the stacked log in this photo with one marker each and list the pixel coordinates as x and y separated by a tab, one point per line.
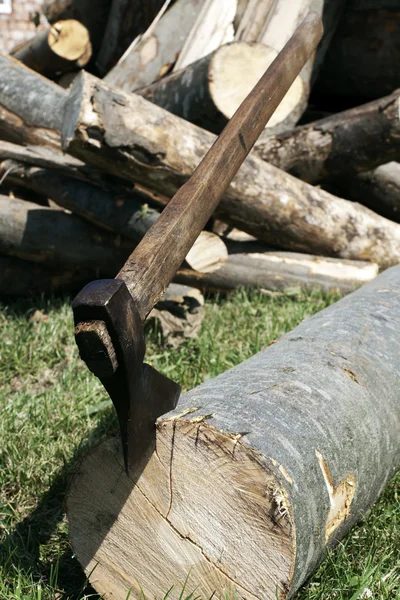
85	172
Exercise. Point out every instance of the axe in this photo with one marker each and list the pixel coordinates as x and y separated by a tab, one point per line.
109	314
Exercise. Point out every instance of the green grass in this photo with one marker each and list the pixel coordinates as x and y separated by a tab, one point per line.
52	409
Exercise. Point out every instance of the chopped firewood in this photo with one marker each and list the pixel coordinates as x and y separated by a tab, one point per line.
114	131
151	55
64	47
259	472
355	140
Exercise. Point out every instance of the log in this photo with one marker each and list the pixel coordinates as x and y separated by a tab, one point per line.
64	47
349	142
95	20
259	471
155	53
40	234
127	19
253	265
128	215
378	189
361	60
31	106
209	91
121	134
212	28
251	20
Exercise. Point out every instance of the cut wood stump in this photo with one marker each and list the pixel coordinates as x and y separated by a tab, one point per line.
258	472
136	140
64	47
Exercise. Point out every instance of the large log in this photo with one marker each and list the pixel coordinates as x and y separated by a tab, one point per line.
127	20
361	60
355	140
45	235
209	91
155	52
378	189
138	141
93	18
259	471
31	106
253	265
64	47
126	214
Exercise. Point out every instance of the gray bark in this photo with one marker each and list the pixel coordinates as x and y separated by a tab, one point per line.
349	142
138	141
31	106
362	59
293	446
156	52
378	189
45	235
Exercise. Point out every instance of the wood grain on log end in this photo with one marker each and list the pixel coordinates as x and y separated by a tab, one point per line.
120	526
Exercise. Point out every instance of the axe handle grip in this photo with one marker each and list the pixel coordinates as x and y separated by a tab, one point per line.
154	262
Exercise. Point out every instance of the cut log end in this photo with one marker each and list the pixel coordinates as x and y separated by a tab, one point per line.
235	70
70	40
119	528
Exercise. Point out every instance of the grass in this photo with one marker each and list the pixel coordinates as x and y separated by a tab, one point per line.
52	409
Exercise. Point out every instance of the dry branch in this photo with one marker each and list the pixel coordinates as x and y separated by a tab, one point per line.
259	471
136	140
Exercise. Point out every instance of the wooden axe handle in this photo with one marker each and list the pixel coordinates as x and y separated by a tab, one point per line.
154	262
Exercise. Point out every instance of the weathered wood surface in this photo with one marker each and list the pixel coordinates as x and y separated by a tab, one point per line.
352	141
127	214
212	28
93	18
65	46
251	264
157	257
209	91
133	139
31	106
362	57
127	19
45	235
155	53
293	446
251	17
378	189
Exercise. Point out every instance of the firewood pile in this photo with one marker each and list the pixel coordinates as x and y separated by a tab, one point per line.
106	114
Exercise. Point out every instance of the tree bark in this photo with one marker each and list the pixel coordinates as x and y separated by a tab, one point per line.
361	62
127	19
127	215
45	235
150	57
378	189
209	91
251	264
212	29
93	18
136	140
259	471
31	106
355	140
64	47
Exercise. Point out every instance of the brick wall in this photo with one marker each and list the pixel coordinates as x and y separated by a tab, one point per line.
17	27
